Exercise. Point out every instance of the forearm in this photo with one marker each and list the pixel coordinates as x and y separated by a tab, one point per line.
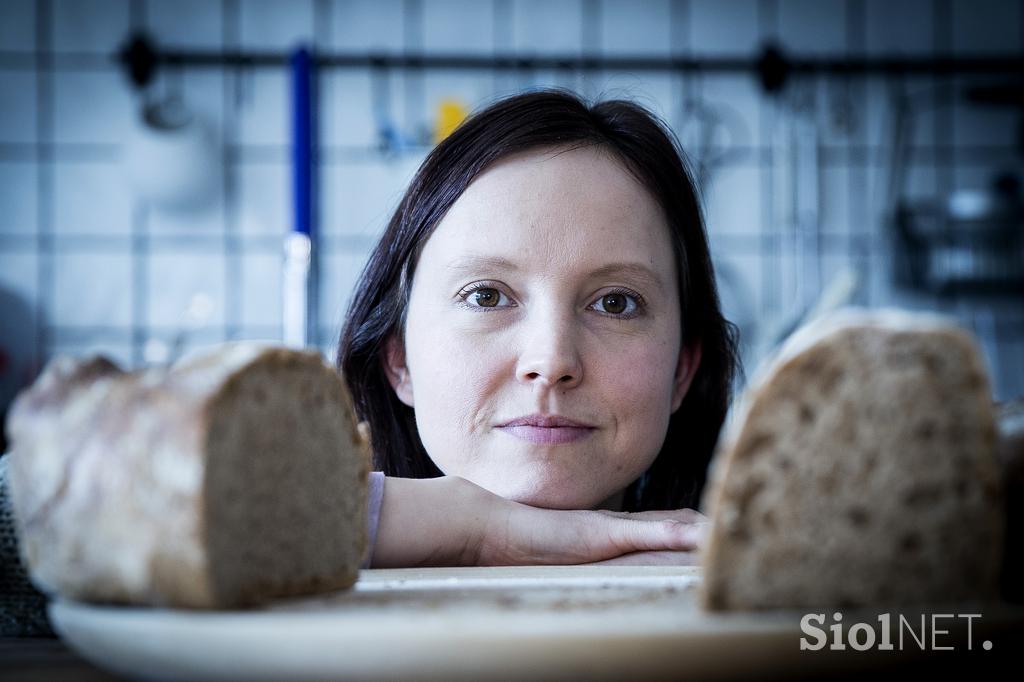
431	522
451	521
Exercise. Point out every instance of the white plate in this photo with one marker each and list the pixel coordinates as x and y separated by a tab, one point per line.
447	623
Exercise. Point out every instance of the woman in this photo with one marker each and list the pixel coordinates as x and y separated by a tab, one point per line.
538	330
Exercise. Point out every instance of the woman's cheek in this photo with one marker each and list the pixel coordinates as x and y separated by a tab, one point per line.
457	367
641	379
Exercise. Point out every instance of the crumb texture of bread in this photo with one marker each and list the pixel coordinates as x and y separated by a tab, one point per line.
1010	420
860	470
227	480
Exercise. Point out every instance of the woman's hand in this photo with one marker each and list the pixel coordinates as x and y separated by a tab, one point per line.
517	534
663	558
651	559
450	521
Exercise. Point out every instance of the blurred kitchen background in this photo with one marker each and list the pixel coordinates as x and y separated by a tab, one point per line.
144	222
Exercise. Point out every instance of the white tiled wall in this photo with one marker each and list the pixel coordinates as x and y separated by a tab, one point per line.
359	197
18	180
636	28
541	26
261	292
18	29
176	278
91	107
261	99
723	28
812	26
458	26
368	25
19	278
263	191
17	106
197	24
92	290
91	197
347	108
102	270
276	24
986	26
91	26
887	24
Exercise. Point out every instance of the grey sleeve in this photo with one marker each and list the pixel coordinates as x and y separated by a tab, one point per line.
22	606
373	519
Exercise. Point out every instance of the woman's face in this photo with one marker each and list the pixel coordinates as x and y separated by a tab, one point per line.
549	288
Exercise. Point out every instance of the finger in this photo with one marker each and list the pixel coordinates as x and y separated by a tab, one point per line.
632	535
541	536
651	559
687	515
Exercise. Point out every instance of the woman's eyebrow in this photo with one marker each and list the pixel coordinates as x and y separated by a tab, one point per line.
476	262
633	270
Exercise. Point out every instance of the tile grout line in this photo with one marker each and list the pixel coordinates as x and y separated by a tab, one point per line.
771	253
139	241
45	200
856	43
323	35
234	272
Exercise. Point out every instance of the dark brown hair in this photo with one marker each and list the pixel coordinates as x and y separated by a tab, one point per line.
536	120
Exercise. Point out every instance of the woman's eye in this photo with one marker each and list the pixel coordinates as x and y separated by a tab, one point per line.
615	304
483	297
619	304
487	297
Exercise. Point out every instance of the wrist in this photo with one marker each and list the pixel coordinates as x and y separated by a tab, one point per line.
478	511
433	522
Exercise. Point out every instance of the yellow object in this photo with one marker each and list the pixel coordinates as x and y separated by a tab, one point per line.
450	113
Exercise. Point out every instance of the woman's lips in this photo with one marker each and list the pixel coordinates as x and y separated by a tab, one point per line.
547	435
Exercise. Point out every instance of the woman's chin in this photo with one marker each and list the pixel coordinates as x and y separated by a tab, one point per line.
547	499
544	485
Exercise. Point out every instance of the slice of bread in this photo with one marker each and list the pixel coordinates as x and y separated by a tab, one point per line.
858	470
1010	422
228	480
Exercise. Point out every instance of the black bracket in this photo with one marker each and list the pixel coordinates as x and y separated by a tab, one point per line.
139	58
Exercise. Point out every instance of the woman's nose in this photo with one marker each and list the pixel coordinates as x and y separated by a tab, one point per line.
549	354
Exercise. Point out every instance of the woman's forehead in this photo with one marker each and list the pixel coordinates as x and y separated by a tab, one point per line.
565	209
573	180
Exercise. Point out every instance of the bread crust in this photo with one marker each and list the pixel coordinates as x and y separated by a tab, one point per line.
113	475
858	469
